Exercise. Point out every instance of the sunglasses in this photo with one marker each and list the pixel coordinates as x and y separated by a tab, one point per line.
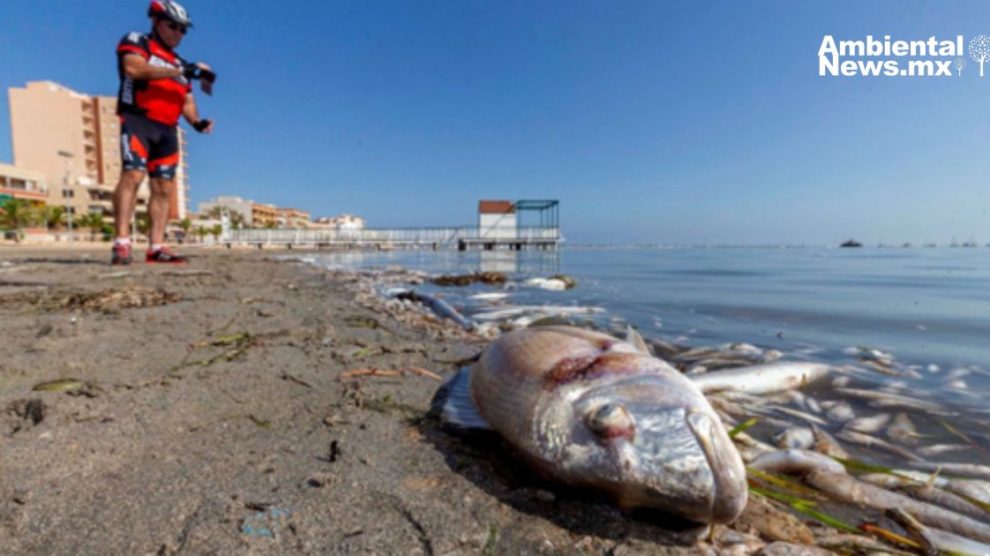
176	27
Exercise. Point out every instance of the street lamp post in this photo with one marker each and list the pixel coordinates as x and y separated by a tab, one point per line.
66	155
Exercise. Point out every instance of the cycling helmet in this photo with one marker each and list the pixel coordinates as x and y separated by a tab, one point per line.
172	11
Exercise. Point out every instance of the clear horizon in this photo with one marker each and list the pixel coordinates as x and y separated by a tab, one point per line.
652	124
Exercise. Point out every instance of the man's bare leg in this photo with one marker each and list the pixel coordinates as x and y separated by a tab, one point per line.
158	204
124	201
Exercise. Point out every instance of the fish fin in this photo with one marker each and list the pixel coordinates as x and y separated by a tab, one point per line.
637	340
459	409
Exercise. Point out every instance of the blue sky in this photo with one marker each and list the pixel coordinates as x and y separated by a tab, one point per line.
650	121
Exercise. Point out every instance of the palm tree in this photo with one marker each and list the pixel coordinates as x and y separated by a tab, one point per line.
15	214
94	222
215	231
201	232
185	224
236	220
54	217
214	213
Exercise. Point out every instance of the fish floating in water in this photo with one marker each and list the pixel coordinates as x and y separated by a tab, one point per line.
596	412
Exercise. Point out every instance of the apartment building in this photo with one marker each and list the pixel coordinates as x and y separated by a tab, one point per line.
73	139
292	218
21	183
264	215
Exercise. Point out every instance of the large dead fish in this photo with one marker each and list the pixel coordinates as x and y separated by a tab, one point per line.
593	411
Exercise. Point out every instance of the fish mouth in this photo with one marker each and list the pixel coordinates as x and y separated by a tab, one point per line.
728	473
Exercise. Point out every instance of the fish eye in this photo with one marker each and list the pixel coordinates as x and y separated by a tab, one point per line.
610	420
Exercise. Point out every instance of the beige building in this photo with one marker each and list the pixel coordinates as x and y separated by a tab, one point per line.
292	218
264	215
20	183
74	140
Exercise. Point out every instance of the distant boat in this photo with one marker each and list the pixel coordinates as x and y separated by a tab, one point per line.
851	243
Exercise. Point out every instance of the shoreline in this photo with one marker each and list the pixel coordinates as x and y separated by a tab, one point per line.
245	403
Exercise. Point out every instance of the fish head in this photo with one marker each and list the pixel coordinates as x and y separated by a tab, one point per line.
650	445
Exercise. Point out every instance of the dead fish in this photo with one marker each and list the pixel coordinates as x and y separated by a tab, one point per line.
593	411
937	449
902	430
840	412
926	493
884	399
762	379
796	462
956	469
869	424
937	540
874	442
825	444
807	417
848	489
799	438
440	307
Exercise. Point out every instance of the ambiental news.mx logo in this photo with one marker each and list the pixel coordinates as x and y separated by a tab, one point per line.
887	57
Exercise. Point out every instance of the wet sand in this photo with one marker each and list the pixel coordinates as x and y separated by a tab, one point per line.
228	406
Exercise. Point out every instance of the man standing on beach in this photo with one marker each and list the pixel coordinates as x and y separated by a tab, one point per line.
155	89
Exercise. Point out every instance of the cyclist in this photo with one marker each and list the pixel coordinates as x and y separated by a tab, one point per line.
155	90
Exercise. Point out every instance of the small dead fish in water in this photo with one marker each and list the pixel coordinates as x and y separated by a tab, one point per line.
937	449
807	417
848	489
902	430
801	400
957	469
870	424
874	442
798	462
440	307
926	493
825	444
762	379
891	400
871	354
937	540
800	438
840	412
60	385
841	381
593	411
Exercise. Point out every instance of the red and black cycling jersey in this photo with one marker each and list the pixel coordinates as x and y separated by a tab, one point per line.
160	100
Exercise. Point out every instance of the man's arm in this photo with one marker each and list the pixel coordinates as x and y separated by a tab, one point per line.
136	67
191	114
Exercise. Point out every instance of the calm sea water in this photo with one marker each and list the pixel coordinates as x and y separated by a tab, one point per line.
929	308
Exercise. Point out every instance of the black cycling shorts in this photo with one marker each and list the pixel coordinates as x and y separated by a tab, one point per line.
149	145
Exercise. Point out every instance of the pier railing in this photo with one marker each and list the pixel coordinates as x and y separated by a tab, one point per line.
395	237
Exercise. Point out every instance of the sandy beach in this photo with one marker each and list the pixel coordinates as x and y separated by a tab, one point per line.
244	404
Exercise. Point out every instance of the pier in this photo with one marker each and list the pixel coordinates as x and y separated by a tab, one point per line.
498	229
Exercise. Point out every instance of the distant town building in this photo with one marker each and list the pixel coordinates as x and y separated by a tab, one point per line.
264	215
21	183
292	218
74	140
497	219
229	203
342	222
